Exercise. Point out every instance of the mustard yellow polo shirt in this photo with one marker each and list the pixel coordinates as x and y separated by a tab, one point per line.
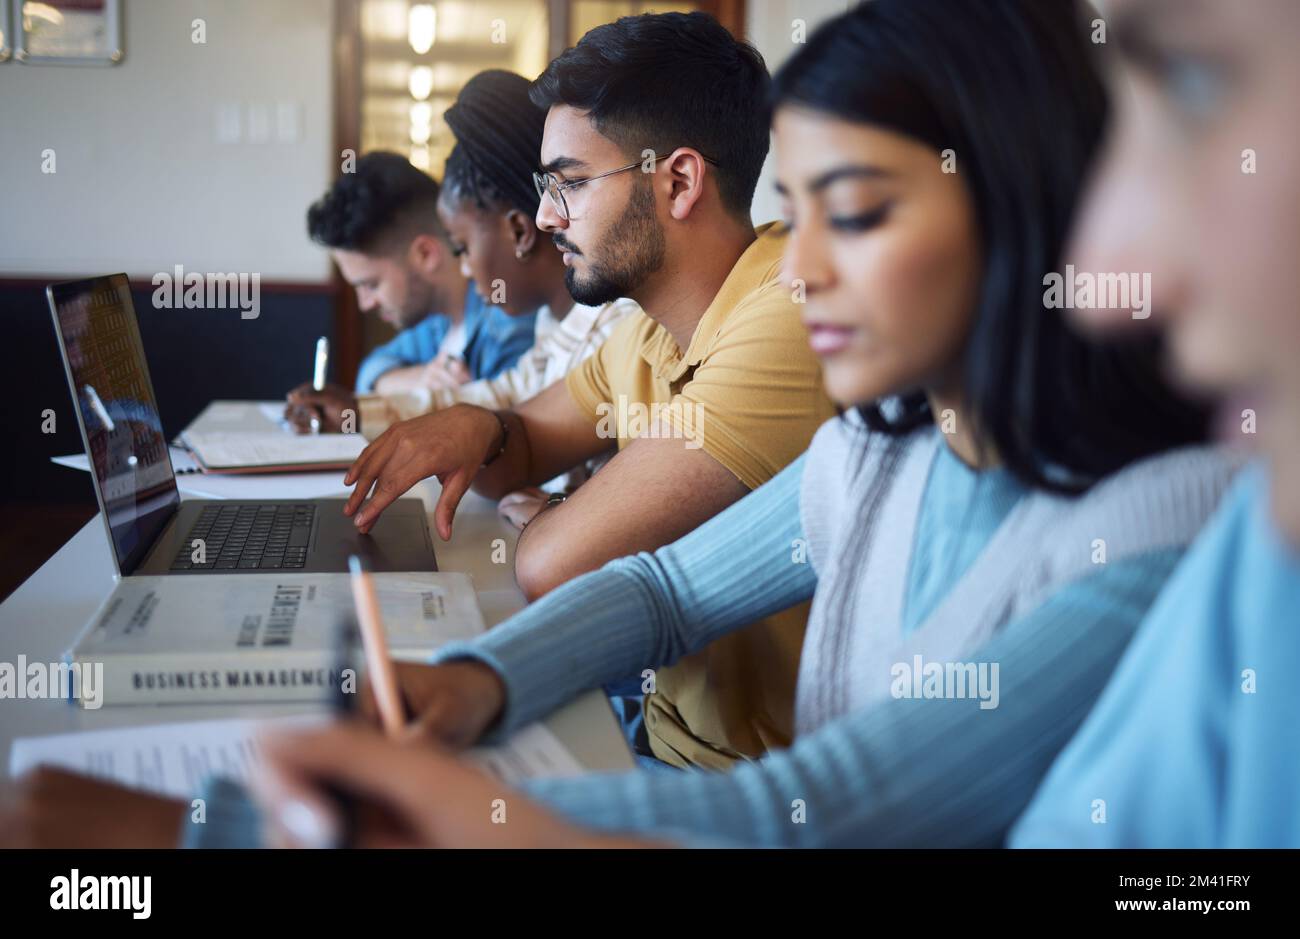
748	391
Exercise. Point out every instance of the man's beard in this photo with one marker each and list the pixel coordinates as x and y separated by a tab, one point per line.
633	251
418	302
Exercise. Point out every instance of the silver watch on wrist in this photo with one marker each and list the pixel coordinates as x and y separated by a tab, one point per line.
554	499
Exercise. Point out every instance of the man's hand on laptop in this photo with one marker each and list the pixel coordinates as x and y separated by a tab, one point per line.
450	704
329	406
451	445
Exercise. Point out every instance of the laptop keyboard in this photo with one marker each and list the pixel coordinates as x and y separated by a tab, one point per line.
248	537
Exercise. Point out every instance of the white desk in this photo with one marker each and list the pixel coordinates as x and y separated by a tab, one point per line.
43	616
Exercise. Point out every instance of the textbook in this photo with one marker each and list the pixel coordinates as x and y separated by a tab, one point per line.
255	637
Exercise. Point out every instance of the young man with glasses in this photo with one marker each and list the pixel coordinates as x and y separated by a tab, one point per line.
655	137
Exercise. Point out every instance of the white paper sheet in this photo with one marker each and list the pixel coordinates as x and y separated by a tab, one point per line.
280	486
239	415
174	759
533	752
229	412
273	411
285	486
169	759
182	462
220	450
77	461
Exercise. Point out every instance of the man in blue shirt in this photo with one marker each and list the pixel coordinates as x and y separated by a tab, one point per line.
381	226
481	343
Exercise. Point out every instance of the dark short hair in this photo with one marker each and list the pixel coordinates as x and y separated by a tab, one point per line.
665	80
1012	88
376	208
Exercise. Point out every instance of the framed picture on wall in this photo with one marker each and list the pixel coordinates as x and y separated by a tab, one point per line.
6	30
67	32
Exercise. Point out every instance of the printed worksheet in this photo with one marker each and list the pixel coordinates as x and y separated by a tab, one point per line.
175	759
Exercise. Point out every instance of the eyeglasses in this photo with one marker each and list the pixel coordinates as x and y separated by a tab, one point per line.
548	186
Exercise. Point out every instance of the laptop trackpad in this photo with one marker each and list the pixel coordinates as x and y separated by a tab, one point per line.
399	541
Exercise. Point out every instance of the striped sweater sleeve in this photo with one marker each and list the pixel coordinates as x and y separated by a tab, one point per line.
650	609
524	380
907	772
548	361
518	383
543	365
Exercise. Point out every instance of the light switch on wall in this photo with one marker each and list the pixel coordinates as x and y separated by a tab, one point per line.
229	122
259	122
288	121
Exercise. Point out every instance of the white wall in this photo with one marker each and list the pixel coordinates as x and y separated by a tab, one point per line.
142	182
770	26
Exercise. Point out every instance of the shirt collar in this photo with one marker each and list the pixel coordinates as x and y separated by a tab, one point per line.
758	266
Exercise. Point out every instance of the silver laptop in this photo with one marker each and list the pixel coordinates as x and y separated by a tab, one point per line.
151	530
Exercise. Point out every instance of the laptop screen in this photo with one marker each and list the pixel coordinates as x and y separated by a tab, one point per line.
102	351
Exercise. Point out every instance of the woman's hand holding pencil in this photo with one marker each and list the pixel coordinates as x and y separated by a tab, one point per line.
451	705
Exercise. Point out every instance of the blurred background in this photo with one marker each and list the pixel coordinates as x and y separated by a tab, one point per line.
206	154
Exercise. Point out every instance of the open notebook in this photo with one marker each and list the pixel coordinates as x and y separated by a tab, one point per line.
271	451
252	437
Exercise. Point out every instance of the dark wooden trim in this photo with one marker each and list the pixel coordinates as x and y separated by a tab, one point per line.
730	13
41	281
559	18
486	53
346	349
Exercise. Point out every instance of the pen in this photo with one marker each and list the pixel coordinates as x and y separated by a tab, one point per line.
318	374
322	360
379	666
